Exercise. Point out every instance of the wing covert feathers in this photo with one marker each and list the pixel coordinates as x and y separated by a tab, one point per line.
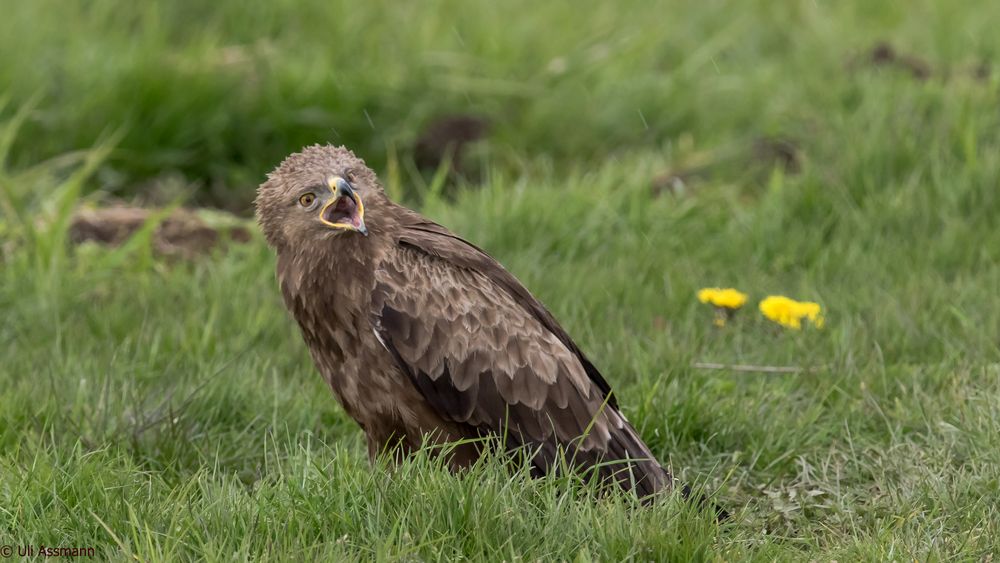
486	354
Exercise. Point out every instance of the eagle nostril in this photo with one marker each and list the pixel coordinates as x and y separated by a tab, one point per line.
344	189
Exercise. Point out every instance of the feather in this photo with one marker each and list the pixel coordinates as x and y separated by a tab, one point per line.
533	382
422	335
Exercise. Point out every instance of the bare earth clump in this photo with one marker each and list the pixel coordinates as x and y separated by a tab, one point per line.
183	234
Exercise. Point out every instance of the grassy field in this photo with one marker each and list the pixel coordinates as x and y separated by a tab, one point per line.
160	410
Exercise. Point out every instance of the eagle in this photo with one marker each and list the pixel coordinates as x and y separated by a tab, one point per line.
426	339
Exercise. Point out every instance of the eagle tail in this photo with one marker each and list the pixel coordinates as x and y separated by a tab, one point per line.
646	477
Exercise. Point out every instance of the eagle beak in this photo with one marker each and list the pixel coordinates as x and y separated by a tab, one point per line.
345	209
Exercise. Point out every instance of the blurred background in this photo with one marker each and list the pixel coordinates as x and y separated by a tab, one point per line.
156	400
206	98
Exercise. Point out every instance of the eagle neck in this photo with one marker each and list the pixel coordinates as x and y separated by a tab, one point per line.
329	282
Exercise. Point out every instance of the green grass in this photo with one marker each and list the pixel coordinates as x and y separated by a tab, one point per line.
163	410
214	96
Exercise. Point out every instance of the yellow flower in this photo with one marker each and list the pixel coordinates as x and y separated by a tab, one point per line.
789	312
728	298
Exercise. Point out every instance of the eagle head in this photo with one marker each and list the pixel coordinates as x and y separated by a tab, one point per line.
321	192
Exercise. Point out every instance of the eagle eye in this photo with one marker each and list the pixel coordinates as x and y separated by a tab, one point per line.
307	199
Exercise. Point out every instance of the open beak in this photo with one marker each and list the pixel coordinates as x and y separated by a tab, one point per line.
345	209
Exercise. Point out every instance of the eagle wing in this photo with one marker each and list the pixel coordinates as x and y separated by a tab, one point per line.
485	354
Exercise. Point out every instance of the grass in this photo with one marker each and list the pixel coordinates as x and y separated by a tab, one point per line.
168	410
213	96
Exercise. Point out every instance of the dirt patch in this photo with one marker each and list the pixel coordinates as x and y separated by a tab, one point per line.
981	71
777	151
183	234
882	54
446	136
760	155
676	183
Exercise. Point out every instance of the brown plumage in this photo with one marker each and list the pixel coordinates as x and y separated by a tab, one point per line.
422	334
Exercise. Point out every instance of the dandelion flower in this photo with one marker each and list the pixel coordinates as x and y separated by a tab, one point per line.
790	313
726	302
728	298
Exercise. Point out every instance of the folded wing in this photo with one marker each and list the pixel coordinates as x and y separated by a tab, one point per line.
486	354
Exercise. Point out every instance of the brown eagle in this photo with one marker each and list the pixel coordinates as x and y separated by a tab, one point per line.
422	335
